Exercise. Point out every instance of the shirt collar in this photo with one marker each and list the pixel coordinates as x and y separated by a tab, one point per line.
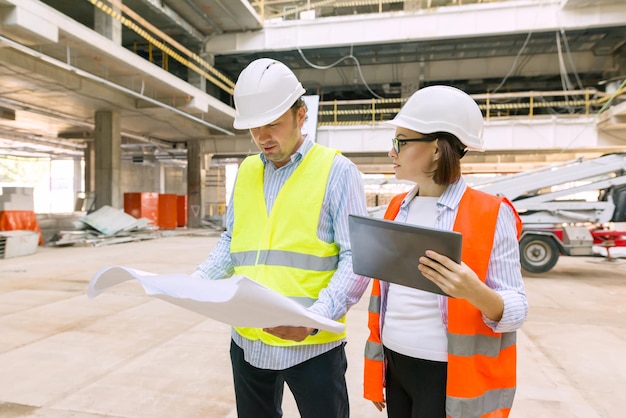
450	198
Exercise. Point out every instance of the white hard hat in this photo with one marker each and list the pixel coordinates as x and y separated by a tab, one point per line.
264	91
443	109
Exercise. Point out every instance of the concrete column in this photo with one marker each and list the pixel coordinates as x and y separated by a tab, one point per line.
198	80
195	184
107	25
78	182
90	168
160	177
108	156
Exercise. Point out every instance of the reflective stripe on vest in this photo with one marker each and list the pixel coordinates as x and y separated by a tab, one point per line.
481	363
281	250
498	401
374	369
285	259
484	345
373	351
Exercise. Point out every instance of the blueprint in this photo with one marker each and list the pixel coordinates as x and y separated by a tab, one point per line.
236	301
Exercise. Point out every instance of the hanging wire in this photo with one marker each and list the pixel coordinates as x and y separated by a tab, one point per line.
571	61
514	65
608	103
351	57
566	83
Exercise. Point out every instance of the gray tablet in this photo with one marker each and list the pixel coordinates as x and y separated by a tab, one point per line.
390	251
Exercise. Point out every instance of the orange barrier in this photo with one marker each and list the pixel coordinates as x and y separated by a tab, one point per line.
142	205
182	210
13	220
168	213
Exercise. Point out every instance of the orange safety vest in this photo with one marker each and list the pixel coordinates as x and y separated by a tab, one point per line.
481	363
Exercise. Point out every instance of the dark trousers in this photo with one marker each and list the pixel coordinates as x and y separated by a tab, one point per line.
318	386
415	388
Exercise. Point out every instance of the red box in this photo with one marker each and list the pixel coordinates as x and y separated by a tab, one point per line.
142	205
168	213
181	201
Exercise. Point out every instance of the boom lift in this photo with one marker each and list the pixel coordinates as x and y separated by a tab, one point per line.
556	220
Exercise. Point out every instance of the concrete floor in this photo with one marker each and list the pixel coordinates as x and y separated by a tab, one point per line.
125	354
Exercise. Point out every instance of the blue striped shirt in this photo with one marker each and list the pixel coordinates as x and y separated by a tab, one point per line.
504	273
344	195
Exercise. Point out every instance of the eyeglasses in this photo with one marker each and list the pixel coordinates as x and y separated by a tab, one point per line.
402	141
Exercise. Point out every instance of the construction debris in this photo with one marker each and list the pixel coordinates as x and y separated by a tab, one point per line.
103	227
107	226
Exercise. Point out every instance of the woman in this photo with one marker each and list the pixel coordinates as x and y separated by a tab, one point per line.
439	356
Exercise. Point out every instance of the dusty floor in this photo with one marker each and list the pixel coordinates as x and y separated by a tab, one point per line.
125	354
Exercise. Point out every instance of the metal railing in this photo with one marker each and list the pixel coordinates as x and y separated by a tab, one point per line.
499	105
351	112
159	40
298	9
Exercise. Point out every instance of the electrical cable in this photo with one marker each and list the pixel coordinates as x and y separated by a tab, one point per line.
513	66
566	83
571	61
350	56
617	92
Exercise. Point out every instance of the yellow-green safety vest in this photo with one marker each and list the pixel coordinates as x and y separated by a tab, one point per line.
282	251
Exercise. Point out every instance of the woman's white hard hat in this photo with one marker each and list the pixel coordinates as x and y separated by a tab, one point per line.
264	91
443	109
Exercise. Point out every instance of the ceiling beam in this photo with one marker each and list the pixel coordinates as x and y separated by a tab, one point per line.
159	7
496	19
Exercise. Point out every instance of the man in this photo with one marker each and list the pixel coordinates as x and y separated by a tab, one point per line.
287	228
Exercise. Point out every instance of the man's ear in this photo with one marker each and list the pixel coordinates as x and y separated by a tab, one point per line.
301	116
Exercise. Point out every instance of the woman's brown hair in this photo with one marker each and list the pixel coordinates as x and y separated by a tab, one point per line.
451	151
